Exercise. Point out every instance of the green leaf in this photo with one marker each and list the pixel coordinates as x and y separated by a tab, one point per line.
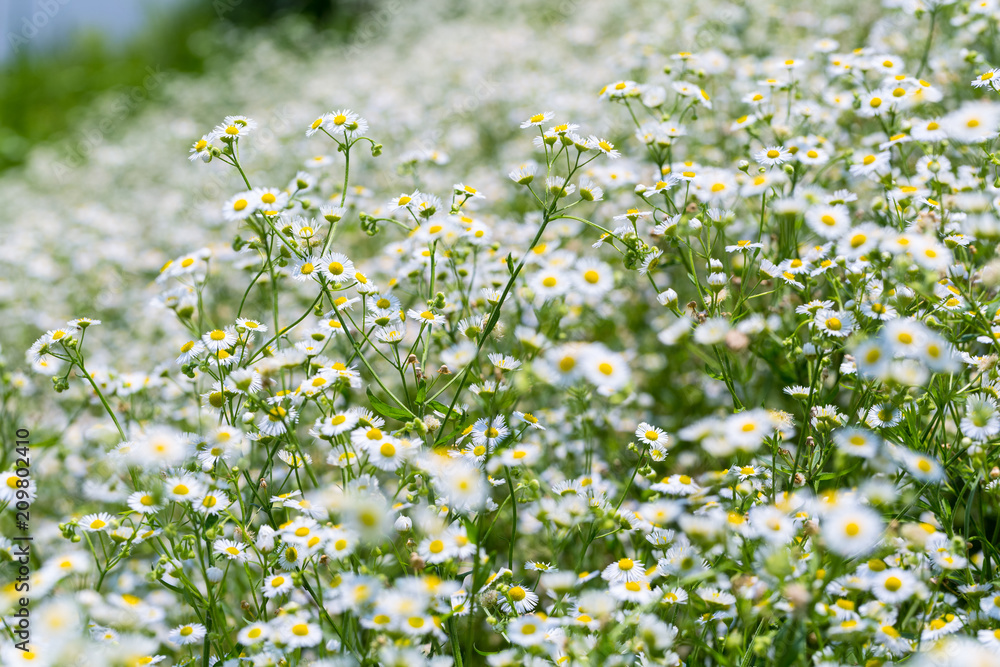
384	409
439	406
484	652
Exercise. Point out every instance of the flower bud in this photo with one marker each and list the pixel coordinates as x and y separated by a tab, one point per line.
403	524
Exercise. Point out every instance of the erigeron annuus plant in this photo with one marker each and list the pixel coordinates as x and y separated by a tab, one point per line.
720	392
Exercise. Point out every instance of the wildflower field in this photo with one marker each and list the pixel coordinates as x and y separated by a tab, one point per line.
569	333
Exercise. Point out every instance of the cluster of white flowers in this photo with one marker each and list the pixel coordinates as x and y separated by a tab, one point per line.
633	356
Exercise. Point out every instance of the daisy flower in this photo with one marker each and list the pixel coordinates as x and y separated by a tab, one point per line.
276	584
772	156
253	634
232	128
624	570
981	422
306	269
527	630
835	323
296	632
201	149
239	207
529	419
988	78
870	164
504	362
191	633
231	549
190	351
385	453
489	432
743	245
520	600
604	146
830	222
538	120
651	435
95	523
426	317
524	175
219	339
143	502
276	420
893	585
337	267
857	442
852	531
341	121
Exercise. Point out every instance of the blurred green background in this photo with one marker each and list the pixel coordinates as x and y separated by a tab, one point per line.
60	55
